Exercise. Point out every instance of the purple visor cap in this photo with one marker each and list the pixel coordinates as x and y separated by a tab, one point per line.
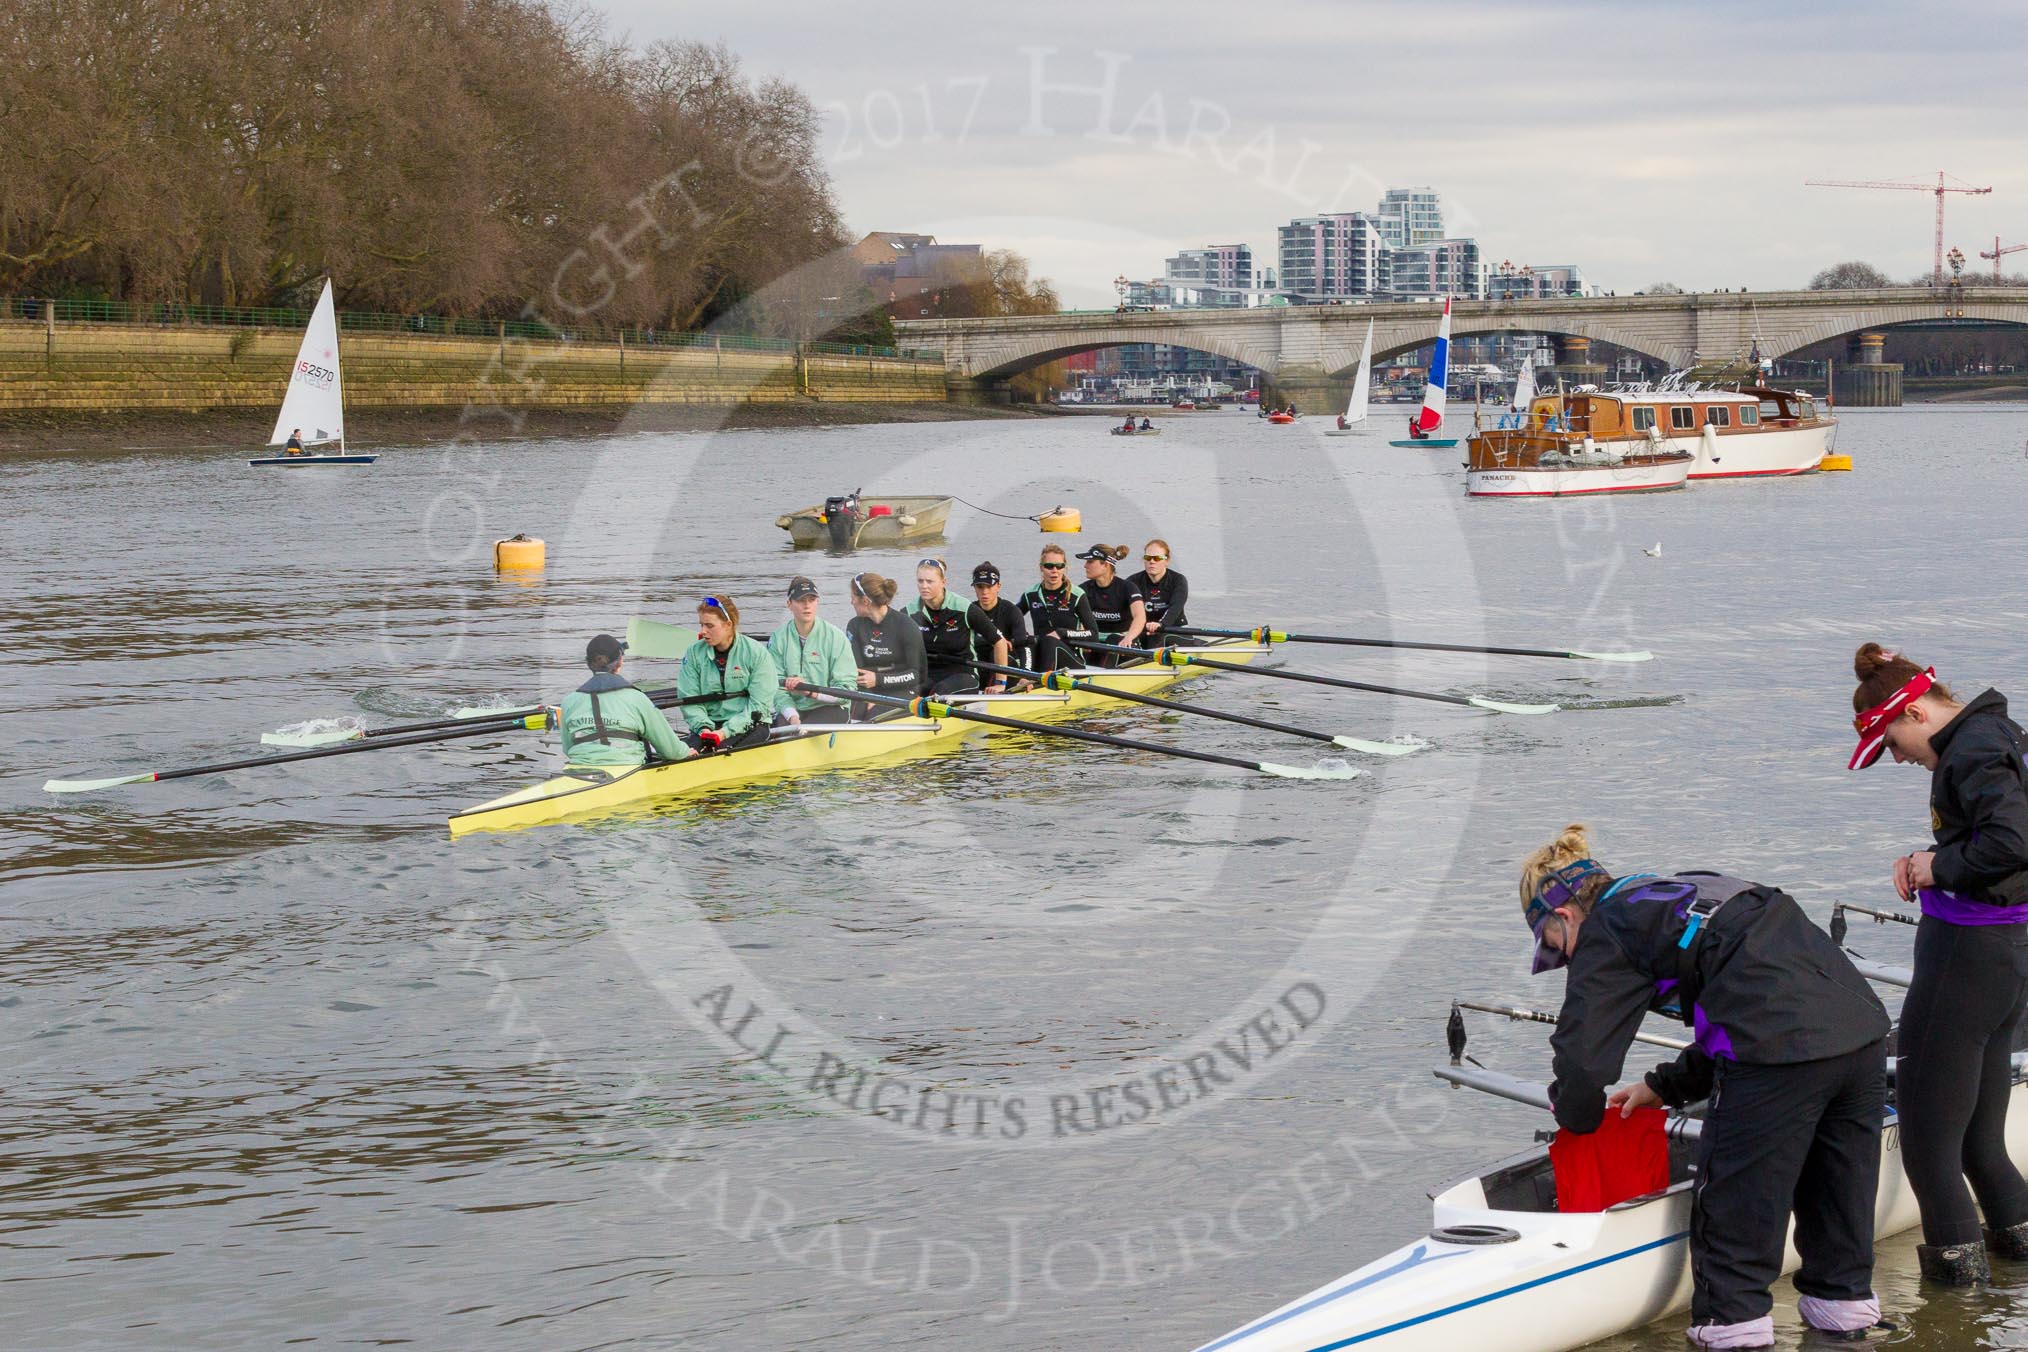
1548	957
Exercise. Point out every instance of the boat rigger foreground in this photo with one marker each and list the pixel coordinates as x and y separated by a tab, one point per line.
1502	1268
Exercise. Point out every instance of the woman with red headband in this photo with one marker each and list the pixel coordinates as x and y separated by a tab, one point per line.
1971	957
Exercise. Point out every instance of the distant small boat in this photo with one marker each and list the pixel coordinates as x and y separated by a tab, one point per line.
1137	431
1185	405
1431	415
1355	407
316	397
1281	418
852	522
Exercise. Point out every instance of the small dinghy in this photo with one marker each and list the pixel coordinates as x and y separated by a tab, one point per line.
852	522
315	402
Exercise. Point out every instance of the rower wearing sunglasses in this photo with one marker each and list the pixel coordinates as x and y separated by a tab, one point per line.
1960	1022
1790	1051
1164	592
950	627
1057	611
1116	603
736	673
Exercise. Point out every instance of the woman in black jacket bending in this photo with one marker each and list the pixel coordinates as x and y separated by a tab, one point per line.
1955	1077
1791	1047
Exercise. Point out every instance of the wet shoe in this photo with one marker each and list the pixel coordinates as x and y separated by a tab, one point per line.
2011	1242
1954	1264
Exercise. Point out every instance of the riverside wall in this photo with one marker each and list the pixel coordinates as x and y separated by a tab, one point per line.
51	369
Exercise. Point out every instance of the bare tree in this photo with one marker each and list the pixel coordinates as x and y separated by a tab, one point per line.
1850	276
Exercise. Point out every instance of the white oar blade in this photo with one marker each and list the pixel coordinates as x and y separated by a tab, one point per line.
1401	748
1642	656
1330	769
91	785
315	732
1500	707
487	710
652	638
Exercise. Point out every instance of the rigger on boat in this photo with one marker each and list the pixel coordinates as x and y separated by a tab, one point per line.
1556	1248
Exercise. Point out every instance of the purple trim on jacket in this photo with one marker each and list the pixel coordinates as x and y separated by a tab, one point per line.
1953	909
1712	1038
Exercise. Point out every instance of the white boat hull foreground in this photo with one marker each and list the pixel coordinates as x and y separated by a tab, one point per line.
1648	475
1547	1282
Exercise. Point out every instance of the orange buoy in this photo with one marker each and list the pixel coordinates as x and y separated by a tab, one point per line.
521	551
1062	521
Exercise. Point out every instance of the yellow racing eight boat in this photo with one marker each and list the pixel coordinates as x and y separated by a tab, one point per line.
590	791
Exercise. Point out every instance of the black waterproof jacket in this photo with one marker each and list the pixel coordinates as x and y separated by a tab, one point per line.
1767	988
1978	802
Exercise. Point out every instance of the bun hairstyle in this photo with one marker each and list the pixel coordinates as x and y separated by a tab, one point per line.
1571	844
1113	553
875	588
1881	672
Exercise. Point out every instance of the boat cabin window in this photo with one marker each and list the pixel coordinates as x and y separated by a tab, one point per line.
1644	419
1749	416
1683	419
1772	408
1809	410
1718	416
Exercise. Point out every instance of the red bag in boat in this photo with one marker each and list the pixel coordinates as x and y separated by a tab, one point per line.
1626	1157
879	509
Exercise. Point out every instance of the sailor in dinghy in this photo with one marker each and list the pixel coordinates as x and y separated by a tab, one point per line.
1786	1028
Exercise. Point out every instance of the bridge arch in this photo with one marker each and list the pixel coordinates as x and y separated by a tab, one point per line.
1834	325
1044	349
1597	331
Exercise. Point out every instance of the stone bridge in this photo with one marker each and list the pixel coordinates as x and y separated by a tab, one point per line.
1309	350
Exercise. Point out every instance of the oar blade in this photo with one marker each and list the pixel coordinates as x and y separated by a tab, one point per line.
315	732
1502	707
92	785
652	638
1361	745
1642	656
1329	769
491	710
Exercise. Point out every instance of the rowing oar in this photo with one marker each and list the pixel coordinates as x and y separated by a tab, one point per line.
1179	657
1060	680
1265	635
537	721
930	708
472	721
1520	1015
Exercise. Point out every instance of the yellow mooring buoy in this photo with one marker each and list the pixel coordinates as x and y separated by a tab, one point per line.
1835	461
1062	521
520	552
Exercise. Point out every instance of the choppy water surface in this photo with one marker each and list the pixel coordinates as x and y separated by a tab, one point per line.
1024	1045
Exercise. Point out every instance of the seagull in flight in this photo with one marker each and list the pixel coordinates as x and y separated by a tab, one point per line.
1654	553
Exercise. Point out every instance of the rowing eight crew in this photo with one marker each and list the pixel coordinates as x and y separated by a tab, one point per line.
734	690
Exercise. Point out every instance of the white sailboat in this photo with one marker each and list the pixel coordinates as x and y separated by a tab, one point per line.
1355	409
313	409
1524	393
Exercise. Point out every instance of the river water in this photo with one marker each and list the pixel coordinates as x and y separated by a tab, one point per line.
1026	1044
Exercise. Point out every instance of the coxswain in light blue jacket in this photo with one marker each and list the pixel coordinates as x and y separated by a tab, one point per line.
607	722
736	673
809	650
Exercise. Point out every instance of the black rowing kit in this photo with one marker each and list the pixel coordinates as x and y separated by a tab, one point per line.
1790	1050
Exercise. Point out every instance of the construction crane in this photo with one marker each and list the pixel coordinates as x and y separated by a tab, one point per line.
2000	251
1940	187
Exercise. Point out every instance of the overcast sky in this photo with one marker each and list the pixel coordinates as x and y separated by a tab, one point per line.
1643	142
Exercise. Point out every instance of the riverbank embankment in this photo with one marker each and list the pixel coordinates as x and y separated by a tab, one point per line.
127	384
